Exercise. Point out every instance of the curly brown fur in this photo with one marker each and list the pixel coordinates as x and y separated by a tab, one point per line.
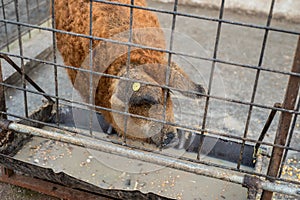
111	21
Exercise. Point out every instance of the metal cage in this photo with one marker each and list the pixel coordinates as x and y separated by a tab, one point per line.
261	154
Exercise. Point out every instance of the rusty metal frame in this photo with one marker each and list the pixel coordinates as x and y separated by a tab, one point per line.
47	187
253	183
248	181
5	171
284	122
63	179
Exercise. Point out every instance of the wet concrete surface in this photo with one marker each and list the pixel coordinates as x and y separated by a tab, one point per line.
194	36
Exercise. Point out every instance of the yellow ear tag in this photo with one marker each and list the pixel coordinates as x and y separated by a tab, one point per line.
136	86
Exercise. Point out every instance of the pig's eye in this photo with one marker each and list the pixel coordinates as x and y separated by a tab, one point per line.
144	95
145	99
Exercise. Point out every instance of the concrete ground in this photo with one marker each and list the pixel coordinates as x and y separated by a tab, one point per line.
237	44
282	9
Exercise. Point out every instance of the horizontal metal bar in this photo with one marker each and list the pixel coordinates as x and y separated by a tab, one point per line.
72	131
6	3
147	118
203	18
164	87
153	119
198	17
151	84
24	32
27	14
196	168
196	130
129	153
140	46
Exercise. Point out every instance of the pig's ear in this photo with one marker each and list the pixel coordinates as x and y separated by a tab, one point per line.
180	80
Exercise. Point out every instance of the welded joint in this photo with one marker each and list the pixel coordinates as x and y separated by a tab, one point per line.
253	184
6	135
6	173
266	128
4	124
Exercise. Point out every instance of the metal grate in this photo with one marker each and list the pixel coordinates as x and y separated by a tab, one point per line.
33	12
27	18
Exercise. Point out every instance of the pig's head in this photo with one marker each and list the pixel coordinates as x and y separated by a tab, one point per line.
150	101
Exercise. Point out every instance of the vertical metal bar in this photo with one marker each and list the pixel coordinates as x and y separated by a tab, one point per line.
21	54
284	121
172	37
127	69
91	92
2	96
28	18
211	77
38	7
5	25
55	60
261	57
290	136
167	78
5	171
